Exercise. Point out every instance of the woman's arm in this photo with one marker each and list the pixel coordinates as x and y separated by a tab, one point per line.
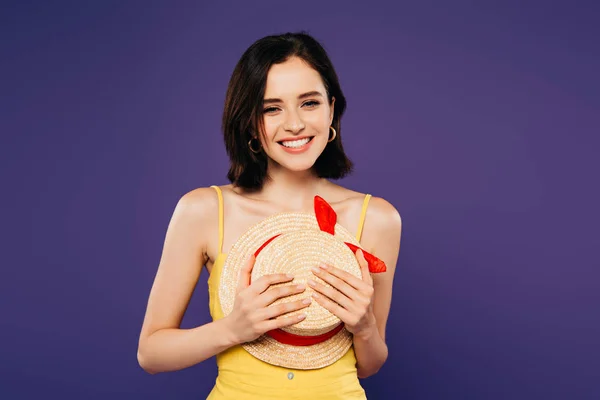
364	304
172	349
163	346
382	232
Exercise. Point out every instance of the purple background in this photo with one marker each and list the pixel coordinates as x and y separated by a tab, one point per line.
478	122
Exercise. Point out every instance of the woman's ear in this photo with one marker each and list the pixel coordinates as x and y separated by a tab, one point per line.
331	108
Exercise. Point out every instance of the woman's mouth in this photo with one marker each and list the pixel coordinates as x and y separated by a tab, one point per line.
296	146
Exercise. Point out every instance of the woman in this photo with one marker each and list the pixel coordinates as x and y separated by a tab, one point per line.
282	128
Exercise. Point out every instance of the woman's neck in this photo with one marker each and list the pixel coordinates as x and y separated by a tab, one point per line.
294	190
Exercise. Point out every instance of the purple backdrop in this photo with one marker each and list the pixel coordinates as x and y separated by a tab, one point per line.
478	122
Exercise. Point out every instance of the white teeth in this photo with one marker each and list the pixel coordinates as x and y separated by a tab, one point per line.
296	143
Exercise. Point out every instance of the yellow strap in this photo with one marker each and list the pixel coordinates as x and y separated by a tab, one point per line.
220	196
363	214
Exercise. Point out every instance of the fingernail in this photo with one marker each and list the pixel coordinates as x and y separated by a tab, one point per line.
324	266
315	269
311	282
306	301
301	316
300	286
289	275
315	295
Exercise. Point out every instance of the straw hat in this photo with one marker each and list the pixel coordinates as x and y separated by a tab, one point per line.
293	243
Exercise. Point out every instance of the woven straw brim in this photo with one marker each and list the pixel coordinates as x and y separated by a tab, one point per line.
300	246
319	355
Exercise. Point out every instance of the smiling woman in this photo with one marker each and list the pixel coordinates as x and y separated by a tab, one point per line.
299	141
305	117
283	91
283	136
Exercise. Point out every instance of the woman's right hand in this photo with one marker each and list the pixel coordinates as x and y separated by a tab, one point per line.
252	314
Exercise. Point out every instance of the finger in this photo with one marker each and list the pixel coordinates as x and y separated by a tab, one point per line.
332	294
263	283
269	296
325	272
364	267
333	307
278	323
284	308
244	274
349	279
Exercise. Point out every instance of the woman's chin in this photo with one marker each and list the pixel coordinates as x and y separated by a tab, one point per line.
297	165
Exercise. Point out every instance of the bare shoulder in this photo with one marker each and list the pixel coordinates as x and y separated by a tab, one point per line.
197	205
382	230
381	213
383	223
196	214
198	202
384	215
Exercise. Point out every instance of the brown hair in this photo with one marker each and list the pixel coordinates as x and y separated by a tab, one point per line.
242	115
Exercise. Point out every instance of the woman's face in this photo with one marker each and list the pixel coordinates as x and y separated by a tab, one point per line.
296	115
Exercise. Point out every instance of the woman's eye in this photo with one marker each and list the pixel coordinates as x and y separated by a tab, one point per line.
309	104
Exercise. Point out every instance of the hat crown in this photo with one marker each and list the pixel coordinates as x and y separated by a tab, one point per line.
296	253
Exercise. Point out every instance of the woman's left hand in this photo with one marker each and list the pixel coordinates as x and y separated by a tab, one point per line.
349	298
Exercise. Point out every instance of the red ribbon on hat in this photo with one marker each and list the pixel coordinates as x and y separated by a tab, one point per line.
297	340
326	218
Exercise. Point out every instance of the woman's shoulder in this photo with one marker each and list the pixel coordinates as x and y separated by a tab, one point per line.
378	207
382	224
381	209
198	205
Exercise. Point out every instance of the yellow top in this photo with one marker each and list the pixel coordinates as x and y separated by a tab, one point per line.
242	376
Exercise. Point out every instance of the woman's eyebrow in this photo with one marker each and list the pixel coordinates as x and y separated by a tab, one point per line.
302	96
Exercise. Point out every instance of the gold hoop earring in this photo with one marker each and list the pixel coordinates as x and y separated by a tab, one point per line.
334	134
250	145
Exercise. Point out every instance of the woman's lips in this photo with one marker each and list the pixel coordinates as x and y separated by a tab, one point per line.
297	150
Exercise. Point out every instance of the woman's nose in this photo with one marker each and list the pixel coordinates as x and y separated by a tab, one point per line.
293	123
